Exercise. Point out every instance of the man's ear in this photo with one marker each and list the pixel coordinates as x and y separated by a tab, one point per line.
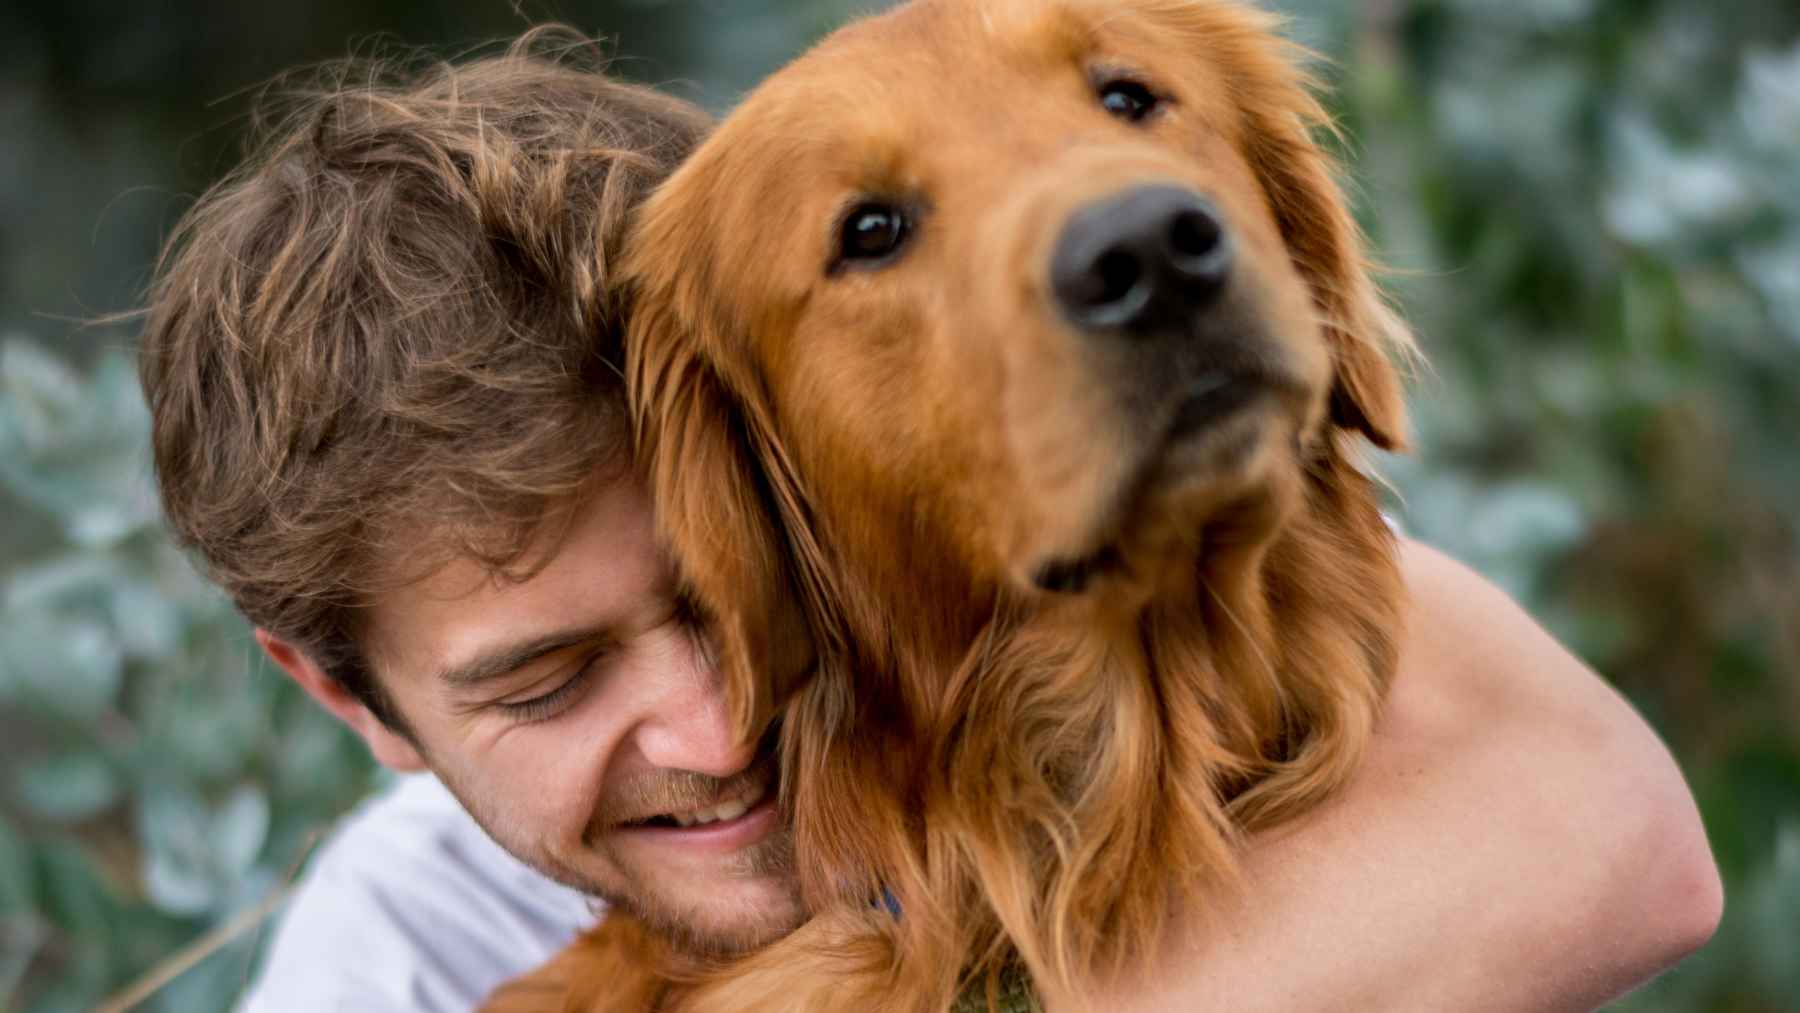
391	749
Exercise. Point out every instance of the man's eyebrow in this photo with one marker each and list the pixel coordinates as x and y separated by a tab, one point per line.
507	658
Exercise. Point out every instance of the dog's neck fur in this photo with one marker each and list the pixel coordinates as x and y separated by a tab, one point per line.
1116	750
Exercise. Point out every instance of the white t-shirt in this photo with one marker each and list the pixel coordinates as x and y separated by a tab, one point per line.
410	906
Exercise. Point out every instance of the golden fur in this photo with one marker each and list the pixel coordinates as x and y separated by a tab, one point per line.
859	472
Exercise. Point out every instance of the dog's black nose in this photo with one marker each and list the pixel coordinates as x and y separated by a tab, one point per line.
1140	262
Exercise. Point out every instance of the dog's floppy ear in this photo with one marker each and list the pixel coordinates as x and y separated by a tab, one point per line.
719	480
1281	115
1365	333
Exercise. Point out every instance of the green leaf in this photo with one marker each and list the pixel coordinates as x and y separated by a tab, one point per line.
209	723
177	886
63	581
178	867
198	856
148	625
74	448
1772	913
67	788
213	983
16	894
240	827
40	397
22	935
69	667
75	897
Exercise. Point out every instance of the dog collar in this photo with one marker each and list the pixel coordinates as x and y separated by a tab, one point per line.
1015	996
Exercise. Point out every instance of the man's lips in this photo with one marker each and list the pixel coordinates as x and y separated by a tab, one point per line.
725	835
677	799
730	805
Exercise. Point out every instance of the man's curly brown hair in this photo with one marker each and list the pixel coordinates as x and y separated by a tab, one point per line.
387	340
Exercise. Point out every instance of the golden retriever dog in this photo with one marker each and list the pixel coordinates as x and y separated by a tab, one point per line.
1001	369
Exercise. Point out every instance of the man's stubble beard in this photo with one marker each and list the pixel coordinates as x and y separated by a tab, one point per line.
690	929
746	927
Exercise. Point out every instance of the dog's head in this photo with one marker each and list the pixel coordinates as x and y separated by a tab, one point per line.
997	298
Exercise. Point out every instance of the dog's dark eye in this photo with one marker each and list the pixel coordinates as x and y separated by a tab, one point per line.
872	232
1128	100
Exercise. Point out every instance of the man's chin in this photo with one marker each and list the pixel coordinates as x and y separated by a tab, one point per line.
719	920
715	891
720	892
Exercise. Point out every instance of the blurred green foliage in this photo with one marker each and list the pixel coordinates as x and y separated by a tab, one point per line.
1592	209
1595	205
156	779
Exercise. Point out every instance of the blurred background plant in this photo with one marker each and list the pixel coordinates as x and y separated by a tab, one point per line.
1593	212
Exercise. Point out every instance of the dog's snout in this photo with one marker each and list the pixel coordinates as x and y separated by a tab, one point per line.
1140	262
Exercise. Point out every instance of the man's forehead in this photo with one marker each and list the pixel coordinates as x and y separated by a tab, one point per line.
603	564
438	617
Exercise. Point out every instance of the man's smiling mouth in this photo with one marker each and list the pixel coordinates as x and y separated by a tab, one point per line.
744	799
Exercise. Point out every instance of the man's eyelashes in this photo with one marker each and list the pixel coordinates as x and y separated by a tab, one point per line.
548	705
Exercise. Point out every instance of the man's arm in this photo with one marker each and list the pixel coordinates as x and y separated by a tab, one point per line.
1518	839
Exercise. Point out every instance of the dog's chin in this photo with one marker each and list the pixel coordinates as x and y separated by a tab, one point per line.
1218	471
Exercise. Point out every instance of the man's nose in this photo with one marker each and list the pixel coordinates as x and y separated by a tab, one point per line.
690	728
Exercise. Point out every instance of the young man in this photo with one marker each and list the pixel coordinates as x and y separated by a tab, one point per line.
386	422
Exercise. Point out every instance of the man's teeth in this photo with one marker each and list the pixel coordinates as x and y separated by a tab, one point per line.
730	809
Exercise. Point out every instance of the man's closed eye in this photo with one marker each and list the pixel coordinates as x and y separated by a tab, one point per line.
555	701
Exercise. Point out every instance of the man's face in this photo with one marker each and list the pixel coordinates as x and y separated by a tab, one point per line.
576	718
